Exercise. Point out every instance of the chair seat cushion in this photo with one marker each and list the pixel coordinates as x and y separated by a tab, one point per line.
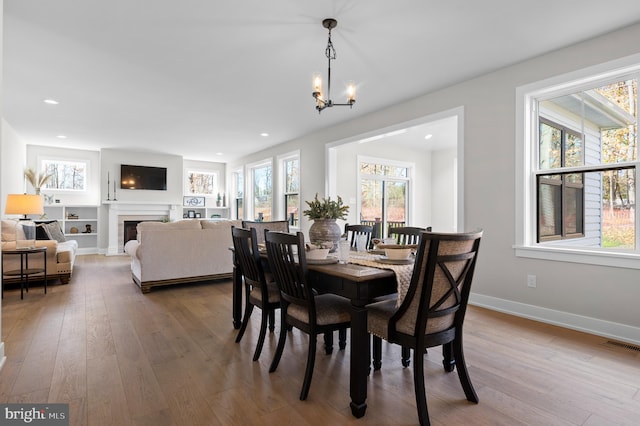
378	315
272	289
330	309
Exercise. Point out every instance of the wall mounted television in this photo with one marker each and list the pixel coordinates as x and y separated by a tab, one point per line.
143	177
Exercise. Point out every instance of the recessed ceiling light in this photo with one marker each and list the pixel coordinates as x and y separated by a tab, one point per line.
264	134
219	153
61	137
429	136
51	102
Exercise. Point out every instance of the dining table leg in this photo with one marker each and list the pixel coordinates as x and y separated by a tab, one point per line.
360	360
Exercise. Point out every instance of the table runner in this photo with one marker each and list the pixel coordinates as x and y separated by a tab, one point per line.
403	272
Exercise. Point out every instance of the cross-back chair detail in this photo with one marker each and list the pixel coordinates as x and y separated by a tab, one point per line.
433	310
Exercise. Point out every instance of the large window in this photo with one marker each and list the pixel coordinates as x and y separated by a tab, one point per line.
291	172
65	175
384	189
262	186
579	169
238	193
202	182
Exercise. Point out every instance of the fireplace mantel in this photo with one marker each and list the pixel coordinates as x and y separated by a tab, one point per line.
119	211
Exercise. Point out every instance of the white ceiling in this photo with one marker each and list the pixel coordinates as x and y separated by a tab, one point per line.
201	77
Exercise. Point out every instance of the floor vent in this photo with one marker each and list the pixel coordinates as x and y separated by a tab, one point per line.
624	345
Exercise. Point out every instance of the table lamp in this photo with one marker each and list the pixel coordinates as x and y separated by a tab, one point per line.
25	204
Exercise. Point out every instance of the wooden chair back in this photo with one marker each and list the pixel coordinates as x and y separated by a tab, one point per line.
353	231
407	234
260	227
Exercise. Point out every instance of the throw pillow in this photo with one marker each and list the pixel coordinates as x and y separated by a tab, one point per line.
55	233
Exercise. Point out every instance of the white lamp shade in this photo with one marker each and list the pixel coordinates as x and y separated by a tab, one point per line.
24	204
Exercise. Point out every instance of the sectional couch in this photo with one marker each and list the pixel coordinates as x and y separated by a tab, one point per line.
184	251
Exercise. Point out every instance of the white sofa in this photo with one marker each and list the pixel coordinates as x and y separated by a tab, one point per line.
185	251
60	255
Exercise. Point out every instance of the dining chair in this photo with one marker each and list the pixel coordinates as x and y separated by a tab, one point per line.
407	234
352	232
301	306
259	291
273	225
432	313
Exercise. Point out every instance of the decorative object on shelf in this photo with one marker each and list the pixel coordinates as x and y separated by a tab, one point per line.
37	180
114	191
321	101
193	201
215	216
191	214
87	229
224	199
72	216
108	183
25	204
219	200
73	230
48	198
198	215
324	214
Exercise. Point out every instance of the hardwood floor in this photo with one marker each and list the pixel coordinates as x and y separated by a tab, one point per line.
119	357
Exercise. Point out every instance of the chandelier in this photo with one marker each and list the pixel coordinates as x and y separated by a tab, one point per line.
326	102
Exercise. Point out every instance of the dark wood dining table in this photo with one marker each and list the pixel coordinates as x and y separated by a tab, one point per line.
360	284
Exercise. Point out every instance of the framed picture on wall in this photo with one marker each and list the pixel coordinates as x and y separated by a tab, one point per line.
191	214
190	201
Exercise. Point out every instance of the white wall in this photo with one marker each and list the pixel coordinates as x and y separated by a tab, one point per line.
443	190
596	298
13	160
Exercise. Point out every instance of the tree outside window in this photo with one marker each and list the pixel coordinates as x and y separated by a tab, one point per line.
65	175
262	193
292	190
586	167
202	183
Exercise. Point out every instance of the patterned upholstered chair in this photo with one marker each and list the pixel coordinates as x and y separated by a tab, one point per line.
432	313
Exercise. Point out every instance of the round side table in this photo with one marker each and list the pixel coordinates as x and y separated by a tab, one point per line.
24	272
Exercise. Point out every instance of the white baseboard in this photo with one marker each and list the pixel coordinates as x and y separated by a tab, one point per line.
612	330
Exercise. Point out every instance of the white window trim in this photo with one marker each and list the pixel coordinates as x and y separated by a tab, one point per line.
248	184
234	191
86	162
525	244
409	179
202	171
279	192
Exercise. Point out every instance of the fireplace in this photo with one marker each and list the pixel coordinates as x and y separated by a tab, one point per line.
135	212
130	229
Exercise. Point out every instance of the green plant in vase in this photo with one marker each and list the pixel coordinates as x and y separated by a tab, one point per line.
324	214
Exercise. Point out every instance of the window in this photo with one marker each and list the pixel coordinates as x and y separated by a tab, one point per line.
578	165
560	196
262	186
202	182
384	189
65	175
238	191
291	169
